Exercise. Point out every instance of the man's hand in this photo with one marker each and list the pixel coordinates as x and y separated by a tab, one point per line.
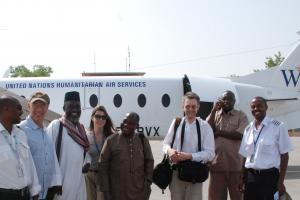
182	156
241	185
218	105
173	155
86	168
57	189
53	191
281	189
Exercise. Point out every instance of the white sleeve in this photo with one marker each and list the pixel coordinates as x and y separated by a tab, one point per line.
53	129
208	145
168	139
242	150
285	144
56	180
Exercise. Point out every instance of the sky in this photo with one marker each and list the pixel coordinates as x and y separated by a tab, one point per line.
164	37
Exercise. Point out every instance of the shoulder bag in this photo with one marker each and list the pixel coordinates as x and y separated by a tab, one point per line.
162	173
192	171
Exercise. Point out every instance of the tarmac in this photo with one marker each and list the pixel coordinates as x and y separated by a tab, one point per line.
292	179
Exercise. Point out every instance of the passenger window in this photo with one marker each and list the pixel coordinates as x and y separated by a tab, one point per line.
142	100
93	100
117	100
165	100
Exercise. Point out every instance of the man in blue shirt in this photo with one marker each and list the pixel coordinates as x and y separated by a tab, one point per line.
41	146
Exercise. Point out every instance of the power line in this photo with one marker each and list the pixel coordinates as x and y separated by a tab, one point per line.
217	56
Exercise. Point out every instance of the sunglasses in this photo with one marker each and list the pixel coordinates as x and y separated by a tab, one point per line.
98	117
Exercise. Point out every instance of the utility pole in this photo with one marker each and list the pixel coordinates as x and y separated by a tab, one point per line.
95	62
128	59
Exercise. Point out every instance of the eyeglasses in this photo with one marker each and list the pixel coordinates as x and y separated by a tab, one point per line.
98	117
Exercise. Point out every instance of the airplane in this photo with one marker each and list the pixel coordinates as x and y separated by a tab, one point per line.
159	100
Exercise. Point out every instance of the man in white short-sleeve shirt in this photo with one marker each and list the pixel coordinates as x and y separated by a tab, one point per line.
18	177
265	147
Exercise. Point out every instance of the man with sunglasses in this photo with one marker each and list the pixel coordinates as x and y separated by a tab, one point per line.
126	163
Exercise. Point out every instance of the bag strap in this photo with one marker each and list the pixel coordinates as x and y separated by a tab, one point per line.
58	141
198	133
177	122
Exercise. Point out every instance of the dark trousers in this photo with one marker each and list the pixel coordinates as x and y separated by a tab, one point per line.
8	194
261	184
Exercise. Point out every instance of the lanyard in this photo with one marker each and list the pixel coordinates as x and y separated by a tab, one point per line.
96	145
255	141
14	150
19	167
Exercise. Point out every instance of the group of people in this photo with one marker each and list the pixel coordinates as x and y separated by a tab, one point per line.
65	161
246	160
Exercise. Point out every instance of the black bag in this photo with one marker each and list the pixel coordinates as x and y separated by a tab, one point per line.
192	171
162	173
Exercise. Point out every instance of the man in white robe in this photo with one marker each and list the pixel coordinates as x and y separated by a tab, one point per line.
73	146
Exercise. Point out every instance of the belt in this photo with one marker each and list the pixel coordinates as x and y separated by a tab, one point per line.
262	171
21	192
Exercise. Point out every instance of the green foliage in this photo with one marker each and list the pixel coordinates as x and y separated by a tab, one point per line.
274	61
38	71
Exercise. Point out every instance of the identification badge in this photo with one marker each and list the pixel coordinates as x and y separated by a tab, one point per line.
20	171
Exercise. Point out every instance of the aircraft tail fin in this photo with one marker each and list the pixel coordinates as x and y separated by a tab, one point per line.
285	77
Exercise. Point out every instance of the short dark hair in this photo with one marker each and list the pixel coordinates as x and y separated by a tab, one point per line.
230	93
134	116
6	101
191	95
262	99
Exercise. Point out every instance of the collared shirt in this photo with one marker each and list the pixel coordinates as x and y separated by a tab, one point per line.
190	143
44	156
265	144
227	157
17	168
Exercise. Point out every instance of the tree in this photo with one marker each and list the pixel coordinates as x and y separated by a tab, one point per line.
38	71
272	62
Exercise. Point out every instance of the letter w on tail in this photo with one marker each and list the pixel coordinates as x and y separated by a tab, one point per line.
291	76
